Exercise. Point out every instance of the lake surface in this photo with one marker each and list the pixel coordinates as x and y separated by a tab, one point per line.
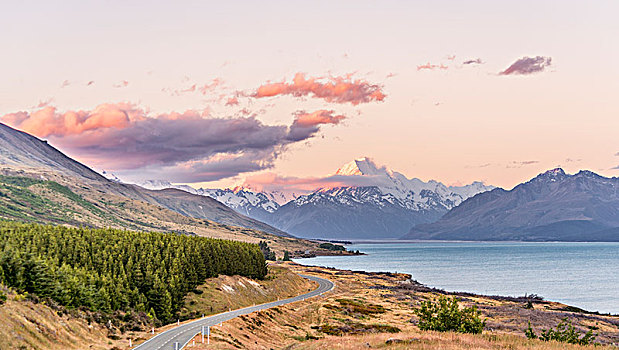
585	275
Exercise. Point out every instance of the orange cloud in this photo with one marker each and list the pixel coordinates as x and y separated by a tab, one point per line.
47	121
306	125
319	117
336	89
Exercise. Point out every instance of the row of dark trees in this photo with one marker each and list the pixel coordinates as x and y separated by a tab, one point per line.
108	269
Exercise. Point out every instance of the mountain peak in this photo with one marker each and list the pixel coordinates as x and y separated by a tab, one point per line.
360	166
551	175
555	172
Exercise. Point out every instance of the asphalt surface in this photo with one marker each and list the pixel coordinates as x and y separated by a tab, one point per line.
184	333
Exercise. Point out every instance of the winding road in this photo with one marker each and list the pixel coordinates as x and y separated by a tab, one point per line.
184	333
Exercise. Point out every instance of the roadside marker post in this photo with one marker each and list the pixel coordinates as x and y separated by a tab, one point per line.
178	322
130	345
152	331
208	335
202	334
176	346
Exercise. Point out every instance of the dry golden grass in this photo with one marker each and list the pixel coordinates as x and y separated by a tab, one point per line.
25	325
296	326
234	292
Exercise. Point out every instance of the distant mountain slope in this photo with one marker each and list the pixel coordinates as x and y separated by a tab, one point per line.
21	152
18	148
255	204
552	206
386	208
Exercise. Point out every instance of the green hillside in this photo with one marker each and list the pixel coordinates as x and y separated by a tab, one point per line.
107	270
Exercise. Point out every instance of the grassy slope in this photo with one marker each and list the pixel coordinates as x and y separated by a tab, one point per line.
26	325
58	199
225	292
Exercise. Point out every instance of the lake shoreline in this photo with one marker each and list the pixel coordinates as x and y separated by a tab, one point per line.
480	289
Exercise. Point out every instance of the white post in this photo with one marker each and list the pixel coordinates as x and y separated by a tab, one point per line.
208	335
130	342
176	346
178	322
193	343
152	331
202	334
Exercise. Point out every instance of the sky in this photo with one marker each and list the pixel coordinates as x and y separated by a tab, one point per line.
217	94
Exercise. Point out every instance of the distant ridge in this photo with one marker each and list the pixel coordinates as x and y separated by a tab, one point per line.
553	206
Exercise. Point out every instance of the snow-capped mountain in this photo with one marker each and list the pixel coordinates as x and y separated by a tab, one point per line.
412	193
373	203
256	204
553	206
379	204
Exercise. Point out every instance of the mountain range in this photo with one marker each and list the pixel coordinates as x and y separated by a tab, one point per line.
379	203
553	206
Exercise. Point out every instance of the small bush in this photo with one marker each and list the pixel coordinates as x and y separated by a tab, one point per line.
445	315
565	333
2	297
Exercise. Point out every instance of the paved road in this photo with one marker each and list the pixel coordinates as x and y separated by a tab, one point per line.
185	332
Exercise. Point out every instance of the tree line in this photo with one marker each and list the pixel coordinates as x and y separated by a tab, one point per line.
109	269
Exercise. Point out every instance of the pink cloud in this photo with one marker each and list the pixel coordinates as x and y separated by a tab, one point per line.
334	89
48	122
206	88
430	66
316	118
307	124
121	84
232	101
188	146
300	185
528	65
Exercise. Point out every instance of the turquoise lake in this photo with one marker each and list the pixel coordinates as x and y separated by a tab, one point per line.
585	275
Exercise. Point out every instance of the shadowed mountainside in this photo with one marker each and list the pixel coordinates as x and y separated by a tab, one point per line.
554	206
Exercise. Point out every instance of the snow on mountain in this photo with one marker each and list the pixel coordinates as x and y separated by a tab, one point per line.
553	206
374	203
241	199
163	184
414	193
110	176
378	204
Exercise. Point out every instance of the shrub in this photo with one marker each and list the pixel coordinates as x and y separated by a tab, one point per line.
565	332
446	315
2	297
